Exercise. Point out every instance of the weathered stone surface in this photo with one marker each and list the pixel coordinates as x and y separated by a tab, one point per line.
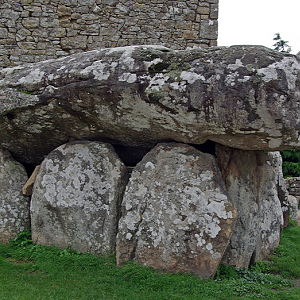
123	22
276	162
14	207
293	208
27	188
252	183
76	197
293	188
176	214
244	97
273	198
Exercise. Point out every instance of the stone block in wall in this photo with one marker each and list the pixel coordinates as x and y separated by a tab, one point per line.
82	9
189	35
76	42
30	23
14	207
9	14
214	11
209	29
111	2
69	2
24	14
76	196
22	34
33	8
88	2
75	16
203	10
176	214
92	29
189	16
3	33
71	32
49	9
58	32
63	10
49	22
4	61
26	45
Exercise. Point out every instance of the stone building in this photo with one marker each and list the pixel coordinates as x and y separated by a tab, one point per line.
35	30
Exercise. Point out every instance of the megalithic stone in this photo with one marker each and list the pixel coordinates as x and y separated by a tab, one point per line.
245	97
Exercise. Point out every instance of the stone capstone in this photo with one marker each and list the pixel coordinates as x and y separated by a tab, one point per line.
245	97
14	207
176	214
251	181
76	197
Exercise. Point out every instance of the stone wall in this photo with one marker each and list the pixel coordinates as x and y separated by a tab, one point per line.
293	188
35	30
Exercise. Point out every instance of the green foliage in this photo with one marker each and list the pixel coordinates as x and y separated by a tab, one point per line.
291	163
25	92
251	282
29	271
286	259
22	239
291	155
226	272
281	45
261	267
292	223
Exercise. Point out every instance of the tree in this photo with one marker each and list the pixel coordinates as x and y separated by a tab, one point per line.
281	45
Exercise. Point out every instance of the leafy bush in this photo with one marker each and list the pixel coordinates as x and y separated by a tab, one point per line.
23	239
261	267
291	163
226	272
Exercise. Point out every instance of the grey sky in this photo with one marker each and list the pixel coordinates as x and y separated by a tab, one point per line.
256	22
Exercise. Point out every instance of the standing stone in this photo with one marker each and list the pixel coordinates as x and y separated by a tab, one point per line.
252	183
176	214
293	208
14	207
76	197
271	215
275	160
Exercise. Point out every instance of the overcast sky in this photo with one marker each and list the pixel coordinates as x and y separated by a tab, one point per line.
256	22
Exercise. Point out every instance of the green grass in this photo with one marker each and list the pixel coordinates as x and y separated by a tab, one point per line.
29	271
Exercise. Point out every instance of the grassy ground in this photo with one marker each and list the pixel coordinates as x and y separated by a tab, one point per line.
30	271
